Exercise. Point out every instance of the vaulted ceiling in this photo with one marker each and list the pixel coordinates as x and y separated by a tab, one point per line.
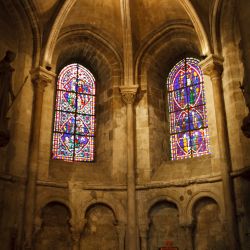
104	16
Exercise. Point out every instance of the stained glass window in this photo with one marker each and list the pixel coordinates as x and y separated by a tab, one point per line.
74	121
187	110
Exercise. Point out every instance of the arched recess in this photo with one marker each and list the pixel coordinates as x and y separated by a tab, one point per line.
55	227
116	207
200	195
164	196
91	51
153	64
100	230
208	228
164	225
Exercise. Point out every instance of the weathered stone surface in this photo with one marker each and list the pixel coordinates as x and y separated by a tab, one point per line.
132	194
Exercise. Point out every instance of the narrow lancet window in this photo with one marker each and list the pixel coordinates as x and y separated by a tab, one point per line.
187	110
74	120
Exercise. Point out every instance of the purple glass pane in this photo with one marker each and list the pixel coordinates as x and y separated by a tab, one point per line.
179	121
63	146
86	81
177	77
64	122
85	125
86	104
180	146
66	101
67	78
193	75
84	148
197	117
177	100
200	142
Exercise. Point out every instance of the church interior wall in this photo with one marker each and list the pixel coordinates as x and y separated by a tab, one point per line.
85	204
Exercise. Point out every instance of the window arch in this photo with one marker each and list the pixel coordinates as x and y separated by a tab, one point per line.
74	120
187	110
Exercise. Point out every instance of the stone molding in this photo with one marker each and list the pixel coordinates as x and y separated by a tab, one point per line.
128	93
41	77
212	66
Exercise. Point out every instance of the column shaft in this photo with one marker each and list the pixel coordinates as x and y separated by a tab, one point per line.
212	66
132	230
128	95
39	81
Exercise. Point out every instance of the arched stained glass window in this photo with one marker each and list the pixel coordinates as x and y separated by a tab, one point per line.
74	121
187	110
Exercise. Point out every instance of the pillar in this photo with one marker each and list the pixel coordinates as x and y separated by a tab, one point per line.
213	67
128	95
77	227
120	228
40	78
188	231
144	236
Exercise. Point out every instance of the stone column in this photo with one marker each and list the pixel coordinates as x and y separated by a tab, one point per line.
120	228
128	95
40	78
213	67
188	230
144	236
77	228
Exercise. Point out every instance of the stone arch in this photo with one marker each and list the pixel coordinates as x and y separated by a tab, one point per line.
164	223
89	45
195	198
113	204
44	202
154	61
208	226
54	32
215	26
86	47
55	227
197	25
180	36
100	229
149	203
94	47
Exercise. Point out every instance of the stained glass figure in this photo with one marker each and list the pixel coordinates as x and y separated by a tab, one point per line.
187	110
74	121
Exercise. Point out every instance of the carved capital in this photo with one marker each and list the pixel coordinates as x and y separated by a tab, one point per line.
128	93
41	77
212	66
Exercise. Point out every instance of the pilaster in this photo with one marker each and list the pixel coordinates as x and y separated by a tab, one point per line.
40	79
213	67
128	94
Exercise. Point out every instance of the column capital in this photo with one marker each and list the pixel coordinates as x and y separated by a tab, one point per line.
41	76
212	65
129	93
